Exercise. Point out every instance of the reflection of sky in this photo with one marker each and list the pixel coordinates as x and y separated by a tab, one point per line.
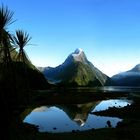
111	103
56	120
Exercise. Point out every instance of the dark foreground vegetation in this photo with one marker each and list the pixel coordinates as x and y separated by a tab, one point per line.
21	85
17	74
128	129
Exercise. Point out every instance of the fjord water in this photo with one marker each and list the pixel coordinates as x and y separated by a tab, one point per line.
76	117
128	89
106	104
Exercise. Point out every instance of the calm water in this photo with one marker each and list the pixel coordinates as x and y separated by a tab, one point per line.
120	89
67	118
118	103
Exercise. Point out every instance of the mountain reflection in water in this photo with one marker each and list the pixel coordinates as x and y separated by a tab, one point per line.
67	118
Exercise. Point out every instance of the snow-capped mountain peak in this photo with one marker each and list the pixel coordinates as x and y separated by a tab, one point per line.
78	51
78	55
75	70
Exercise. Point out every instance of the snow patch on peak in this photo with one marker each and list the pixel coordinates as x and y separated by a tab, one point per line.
78	51
77	55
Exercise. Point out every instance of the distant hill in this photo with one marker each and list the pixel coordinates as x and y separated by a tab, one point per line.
75	71
22	74
128	78
135	69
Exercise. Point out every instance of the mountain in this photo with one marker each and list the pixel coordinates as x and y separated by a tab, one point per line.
128	78
135	69
75	71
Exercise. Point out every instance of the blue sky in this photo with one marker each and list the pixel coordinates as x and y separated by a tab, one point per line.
107	30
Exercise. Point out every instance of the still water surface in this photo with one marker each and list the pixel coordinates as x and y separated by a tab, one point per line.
77	117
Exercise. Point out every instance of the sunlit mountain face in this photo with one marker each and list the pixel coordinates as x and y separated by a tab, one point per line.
76	70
